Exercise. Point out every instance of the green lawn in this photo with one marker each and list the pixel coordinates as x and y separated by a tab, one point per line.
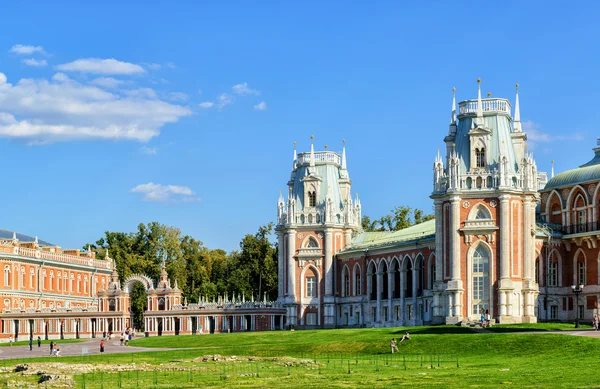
355	358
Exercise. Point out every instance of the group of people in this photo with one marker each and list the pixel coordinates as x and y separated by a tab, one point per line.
54	349
393	341
485	318
126	337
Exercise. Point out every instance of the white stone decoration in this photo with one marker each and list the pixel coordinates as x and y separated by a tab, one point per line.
466	204
493	203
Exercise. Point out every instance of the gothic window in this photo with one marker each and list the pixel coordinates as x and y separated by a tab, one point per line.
79	283
311	287
311	319
357	290
22	278
384	286
312	199
31	275
552	274
556	216
312	243
480	156
346	283
161	304
44	279
481	281
111	305
85	284
71	289
581	273
51	280
6	275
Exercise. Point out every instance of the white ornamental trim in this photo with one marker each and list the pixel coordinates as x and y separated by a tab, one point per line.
466	204
591	189
493	203
300	236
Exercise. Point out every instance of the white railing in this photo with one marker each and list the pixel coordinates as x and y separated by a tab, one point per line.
487	105
40	254
320	156
481	181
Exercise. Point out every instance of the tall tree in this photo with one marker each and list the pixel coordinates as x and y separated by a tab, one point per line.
400	217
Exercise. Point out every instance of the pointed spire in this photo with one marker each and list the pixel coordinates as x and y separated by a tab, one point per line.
295	161
343	154
14	236
479	103
36	239
106	254
517	118
552	172
453	116
280	196
312	151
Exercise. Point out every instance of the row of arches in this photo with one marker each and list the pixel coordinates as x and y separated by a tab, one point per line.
551	269
576	209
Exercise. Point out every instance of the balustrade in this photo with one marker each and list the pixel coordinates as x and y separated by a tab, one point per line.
320	156
487	105
34	253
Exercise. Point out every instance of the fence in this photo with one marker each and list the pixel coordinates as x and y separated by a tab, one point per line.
180	371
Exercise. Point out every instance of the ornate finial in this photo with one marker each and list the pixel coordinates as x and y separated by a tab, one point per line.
438	149
344	141
517	85
312	137
489	94
479	80
294	144
454	90
326	147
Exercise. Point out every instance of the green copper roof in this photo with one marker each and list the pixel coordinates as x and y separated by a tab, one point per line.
585	173
372	240
500	126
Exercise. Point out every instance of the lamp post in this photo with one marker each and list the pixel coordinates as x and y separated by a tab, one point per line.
577	289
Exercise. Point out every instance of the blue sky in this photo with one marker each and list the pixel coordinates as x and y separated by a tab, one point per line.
185	113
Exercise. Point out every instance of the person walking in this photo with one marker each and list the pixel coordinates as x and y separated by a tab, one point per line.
488	318
394	345
31	343
39	342
51	346
102	346
10	340
596	321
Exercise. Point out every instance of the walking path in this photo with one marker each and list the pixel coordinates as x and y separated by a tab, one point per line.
88	347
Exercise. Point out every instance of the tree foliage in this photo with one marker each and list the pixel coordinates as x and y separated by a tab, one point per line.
400	217
199	271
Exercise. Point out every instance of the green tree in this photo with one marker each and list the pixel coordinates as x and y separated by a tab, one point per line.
400	217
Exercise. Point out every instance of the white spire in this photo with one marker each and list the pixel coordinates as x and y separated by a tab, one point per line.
479	104
552	171
295	156
312	151
280	197
453	117
517	118
14	236
343	154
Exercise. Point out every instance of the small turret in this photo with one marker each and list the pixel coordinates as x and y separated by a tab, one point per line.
479	118
517	118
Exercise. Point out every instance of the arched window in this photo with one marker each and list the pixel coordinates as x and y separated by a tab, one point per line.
482	213
31	275
384	278
311	286
71	289
408	285
480	156
312	199
78	283
44	279
552	270
51	280
111	305
581	273
481	281
357	285
580	214
22	278
346	291
312	243
6	275
85	284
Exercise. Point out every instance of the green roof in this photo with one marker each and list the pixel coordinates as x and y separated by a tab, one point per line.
371	240
585	173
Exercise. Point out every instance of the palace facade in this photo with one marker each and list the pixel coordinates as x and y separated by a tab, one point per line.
504	238
57	294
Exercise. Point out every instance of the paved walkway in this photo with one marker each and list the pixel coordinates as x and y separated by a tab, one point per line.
91	346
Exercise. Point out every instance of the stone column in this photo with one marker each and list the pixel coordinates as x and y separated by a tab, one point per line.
402	297
280	267
291	265
439	263
455	286
379	289
328	262
415	279
390	292
505	283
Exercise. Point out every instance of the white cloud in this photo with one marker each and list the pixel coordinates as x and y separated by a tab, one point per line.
206	104
535	135
101	66
153	66
223	100
35	62
177	96
165	193
149	150
62	109
27	49
107	82
242	90
262	106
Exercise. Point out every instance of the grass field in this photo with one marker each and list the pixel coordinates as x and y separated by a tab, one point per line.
444	356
